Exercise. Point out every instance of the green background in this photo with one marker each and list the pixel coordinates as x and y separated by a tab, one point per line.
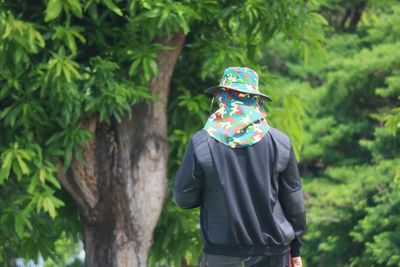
331	67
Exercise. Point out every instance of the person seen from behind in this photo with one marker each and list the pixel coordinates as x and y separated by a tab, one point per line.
243	175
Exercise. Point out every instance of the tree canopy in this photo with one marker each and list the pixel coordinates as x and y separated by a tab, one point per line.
76	72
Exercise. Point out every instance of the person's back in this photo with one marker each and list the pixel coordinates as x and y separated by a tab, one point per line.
247	186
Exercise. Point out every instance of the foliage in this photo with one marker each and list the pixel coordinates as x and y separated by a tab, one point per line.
350	152
351	211
65	254
51	83
63	62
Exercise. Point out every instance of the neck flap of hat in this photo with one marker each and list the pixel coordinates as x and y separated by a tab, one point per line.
240	120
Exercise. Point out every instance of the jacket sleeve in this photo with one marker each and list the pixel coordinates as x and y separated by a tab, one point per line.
292	201
188	183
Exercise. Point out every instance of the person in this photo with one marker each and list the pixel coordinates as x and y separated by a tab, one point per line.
243	175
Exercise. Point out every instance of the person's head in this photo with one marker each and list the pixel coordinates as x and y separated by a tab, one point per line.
240	79
240	120
226	98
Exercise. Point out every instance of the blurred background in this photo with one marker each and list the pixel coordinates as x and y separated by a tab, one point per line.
332	68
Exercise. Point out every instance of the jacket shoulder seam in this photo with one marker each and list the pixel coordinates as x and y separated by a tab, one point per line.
278	136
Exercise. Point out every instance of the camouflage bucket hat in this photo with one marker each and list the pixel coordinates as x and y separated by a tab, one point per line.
241	79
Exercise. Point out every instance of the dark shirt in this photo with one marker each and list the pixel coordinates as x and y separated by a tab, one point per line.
251	198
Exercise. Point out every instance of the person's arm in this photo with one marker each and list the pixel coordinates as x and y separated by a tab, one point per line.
292	201
187	191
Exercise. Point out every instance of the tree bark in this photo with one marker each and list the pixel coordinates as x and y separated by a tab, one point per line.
352	17
121	186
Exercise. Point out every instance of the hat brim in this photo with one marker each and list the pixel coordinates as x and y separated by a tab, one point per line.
213	89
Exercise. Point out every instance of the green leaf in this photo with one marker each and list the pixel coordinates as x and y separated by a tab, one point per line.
33	185
6	165
67	157
53	180
17	170
39	204
134	66
27	222
42	175
92	9
320	18
25	154
19	225
49	207
146	69
110	4
75	7
5	111
76	32
71	43
4	175
154	67
184	24
56	138
66	72
23	166
59	69
19	54
79	156
56	201
53	10
73	66
7	159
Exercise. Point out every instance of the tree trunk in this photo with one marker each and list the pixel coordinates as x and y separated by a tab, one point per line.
121	186
352	17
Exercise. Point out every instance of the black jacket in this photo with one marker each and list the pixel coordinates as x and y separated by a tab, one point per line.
250	198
